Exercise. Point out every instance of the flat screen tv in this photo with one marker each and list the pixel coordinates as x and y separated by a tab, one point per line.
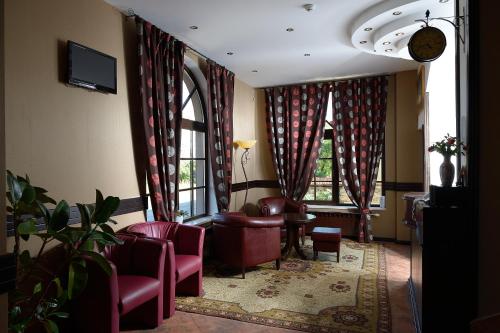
91	69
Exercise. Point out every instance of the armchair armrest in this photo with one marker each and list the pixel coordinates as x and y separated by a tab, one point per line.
249	222
189	240
148	257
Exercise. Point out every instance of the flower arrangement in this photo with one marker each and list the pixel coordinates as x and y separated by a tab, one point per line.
181	213
449	146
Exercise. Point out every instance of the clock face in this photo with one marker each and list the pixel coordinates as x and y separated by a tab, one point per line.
427	44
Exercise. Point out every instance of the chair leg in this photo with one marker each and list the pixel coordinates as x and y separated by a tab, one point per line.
338	254
315	256
243	272
278	263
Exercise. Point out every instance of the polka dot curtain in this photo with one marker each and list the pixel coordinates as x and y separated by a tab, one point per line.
295	117
161	63
359	110
220	92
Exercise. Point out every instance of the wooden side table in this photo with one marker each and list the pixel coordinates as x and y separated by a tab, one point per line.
293	222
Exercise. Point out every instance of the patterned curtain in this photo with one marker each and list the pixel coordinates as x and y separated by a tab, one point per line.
359	109
161	64
220	92
295	117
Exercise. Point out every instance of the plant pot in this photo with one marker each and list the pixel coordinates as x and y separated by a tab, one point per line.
447	172
179	219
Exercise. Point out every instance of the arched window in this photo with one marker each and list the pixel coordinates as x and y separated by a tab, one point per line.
193	170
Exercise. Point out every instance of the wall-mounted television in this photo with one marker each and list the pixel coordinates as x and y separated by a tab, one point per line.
91	69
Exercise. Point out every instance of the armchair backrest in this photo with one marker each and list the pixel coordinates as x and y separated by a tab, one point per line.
243	221
162	230
121	255
279	205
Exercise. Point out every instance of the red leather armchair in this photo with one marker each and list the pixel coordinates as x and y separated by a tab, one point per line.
133	292
280	205
183	261
245	241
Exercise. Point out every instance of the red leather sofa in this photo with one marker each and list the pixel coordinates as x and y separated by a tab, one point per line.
280	205
133	292
244	241
183	261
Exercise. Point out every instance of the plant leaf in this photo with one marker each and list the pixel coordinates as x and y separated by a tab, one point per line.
103	212
27	227
98	198
107	229
28	192
15	189
50	326
37	288
25	258
60	216
59	288
100	260
59	314
85	215
77	278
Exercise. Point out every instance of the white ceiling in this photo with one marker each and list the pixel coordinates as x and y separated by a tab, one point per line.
255	31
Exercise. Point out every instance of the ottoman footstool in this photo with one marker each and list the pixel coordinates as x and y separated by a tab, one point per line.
326	240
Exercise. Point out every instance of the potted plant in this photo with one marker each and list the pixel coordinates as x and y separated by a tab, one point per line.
179	215
448	147
43	293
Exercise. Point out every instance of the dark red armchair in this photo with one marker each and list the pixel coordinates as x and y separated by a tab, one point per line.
183	261
244	241
280	205
133	292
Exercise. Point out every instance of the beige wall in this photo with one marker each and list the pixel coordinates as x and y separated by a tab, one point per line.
69	140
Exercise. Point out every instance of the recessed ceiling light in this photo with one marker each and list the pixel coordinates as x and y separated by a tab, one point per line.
289	29
397	13
388	50
368	29
307	54
363	42
443	1
193	27
254	71
386	43
400	34
230	53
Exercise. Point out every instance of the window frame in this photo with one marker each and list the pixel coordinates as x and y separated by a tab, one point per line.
200	127
328	135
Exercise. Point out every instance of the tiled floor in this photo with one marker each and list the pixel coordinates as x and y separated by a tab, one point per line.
398	270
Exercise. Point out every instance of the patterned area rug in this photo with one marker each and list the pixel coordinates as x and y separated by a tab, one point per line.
313	296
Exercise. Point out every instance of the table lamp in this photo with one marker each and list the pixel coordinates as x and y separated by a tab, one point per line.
245	144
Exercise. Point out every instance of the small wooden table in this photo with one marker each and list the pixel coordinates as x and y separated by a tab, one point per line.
293	222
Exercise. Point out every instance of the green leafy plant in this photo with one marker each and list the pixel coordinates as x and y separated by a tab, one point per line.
449	146
181	213
44	304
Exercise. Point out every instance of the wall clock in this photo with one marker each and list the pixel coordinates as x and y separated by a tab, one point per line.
427	44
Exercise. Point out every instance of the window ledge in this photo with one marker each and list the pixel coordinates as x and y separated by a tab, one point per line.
341	209
200	221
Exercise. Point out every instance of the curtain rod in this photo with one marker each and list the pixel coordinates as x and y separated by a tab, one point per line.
338	79
131	14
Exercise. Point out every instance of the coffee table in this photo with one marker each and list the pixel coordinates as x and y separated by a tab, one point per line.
293	222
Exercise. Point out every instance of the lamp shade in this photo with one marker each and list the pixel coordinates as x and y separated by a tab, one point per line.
245	144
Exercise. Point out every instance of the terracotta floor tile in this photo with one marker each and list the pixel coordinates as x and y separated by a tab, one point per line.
398	271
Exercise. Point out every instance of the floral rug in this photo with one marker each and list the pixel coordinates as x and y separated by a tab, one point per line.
313	296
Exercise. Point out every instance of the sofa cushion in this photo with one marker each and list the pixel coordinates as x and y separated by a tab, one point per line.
186	265
135	290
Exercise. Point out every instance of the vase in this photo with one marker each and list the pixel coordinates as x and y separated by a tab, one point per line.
179	219
447	171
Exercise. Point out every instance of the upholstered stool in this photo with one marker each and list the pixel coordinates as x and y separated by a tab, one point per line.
326	240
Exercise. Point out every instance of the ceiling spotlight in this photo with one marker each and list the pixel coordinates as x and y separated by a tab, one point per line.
388	50
254	71
443	1
368	29
397	13
289	29
193	27
386	43
230	53
307	54
309	6
362	42
400	34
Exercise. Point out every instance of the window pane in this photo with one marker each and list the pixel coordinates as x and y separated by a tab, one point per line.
199	144
185	174
185	92
324	191
186	143
329	109
199	201
379	174
185	202
310	193
188	111
326	149
377	194
197	107
198	173
343	198
324	170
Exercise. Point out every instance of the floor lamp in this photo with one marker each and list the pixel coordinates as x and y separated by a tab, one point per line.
245	144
